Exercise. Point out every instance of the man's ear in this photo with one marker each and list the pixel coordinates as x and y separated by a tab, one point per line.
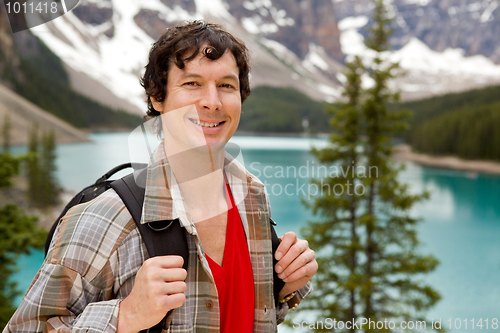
158	106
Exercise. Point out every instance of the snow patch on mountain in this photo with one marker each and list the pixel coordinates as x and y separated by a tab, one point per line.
113	62
418	2
258	23
418	56
255	25
265	8
351	41
487	14
315	59
285	55
101	4
257	4
355	22
169	14
215	8
331	93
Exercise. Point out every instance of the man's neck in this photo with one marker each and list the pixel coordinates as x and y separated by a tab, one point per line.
199	174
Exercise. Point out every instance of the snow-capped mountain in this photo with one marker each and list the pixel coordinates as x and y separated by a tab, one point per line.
298	43
470	25
444	45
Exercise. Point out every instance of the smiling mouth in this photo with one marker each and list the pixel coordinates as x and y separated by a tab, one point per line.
199	123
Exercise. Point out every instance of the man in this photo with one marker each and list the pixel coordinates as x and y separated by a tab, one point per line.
97	276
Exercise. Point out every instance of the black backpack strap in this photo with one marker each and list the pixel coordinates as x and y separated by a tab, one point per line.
131	194
111	172
160	237
278	283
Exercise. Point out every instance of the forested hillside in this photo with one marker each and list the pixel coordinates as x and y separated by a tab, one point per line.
282	110
465	124
57	97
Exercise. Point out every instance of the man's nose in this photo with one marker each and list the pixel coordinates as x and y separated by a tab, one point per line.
210	99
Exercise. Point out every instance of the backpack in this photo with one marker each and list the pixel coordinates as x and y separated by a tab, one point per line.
160	237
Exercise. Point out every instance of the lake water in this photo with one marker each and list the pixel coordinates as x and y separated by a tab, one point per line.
461	221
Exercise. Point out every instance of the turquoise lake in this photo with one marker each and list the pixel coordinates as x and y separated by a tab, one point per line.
461	221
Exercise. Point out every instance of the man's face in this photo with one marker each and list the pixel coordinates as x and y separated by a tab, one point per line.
203	103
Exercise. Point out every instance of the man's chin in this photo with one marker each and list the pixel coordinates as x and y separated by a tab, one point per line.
215	145
207	147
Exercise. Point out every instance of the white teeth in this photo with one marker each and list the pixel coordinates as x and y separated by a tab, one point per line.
199	123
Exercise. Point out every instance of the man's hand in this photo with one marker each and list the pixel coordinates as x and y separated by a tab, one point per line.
296	263
159	287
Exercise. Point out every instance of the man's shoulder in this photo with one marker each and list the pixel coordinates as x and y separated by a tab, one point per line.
91	232
105	210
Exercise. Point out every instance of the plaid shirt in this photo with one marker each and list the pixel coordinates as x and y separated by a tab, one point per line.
97	251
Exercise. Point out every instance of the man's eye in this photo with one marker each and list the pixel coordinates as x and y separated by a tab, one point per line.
226	85
192	83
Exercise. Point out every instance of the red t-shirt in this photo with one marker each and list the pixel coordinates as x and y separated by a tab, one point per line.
234	279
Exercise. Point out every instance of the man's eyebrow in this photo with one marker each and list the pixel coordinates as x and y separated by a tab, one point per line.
232	77
198	76
191	75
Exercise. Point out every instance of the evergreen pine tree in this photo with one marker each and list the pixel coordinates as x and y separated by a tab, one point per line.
9	165
366	244
19	234
43	189
48	183
6	128
33	167
338	234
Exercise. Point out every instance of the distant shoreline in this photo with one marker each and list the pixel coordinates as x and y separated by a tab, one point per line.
284	134
404	152
238	133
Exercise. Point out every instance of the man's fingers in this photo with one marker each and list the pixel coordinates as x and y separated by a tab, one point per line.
174	301
164	262
171	261
299	261
168	288
173	274
177	287
293	252
287	241
304	271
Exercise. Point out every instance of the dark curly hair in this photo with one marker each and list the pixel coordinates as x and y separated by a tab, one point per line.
181	44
